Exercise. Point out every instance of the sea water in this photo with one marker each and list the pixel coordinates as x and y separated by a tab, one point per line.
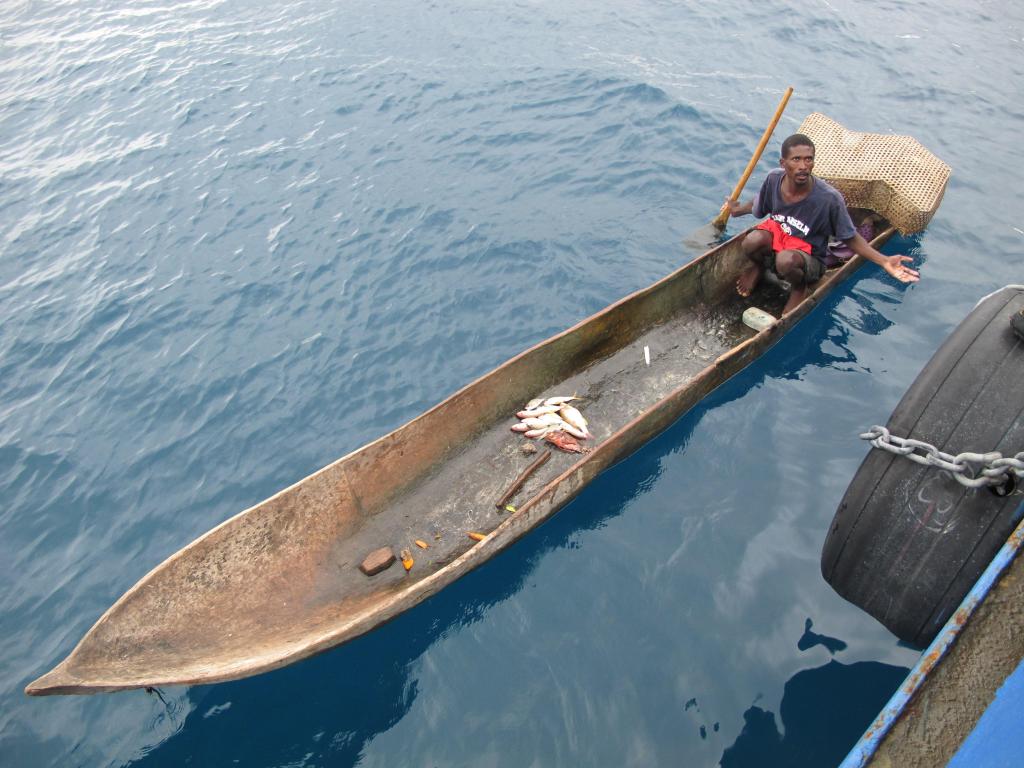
241	239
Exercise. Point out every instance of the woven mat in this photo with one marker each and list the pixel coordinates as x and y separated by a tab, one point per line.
892	175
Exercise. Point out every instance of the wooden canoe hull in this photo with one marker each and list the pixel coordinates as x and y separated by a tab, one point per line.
280	582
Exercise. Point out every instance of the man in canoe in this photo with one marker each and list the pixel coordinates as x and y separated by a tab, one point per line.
803	212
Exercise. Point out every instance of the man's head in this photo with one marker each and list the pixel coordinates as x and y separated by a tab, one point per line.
796	140
798	159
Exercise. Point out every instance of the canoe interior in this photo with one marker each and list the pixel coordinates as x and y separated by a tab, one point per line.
280	581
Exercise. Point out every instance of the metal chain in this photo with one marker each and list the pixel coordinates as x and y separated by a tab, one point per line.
992	468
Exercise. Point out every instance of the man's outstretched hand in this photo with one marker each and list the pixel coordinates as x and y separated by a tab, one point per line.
894	265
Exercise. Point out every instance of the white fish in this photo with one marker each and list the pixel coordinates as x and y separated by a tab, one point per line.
534	403
551	418
580	433
519	427
538	411
560	400
543	431
536	423
573	416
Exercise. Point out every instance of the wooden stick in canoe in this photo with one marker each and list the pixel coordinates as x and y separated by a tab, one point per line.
518	482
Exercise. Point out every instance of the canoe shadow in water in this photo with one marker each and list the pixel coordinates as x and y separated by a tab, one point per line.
824	711
361	689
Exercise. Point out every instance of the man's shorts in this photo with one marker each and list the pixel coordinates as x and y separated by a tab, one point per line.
781	241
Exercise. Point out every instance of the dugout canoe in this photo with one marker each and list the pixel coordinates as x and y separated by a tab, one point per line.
280	581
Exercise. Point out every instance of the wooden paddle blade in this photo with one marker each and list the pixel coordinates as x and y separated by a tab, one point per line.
703	239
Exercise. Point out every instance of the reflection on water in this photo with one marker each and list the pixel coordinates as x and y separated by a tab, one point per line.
809	639
824	711
238	240
343	698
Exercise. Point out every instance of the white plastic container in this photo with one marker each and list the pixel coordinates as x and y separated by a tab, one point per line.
757	319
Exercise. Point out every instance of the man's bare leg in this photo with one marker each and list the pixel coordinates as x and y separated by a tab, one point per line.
796	295
791	267
755	245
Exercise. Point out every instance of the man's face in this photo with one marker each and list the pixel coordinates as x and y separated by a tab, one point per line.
798	164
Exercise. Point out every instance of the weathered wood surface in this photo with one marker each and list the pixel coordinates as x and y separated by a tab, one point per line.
281	581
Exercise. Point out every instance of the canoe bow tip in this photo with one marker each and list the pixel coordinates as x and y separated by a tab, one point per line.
55	681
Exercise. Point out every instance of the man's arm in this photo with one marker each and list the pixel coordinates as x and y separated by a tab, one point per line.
736	208
891	264
760	204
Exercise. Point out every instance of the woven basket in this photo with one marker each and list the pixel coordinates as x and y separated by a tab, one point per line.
892	175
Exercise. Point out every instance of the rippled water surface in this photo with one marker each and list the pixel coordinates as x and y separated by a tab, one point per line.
240	239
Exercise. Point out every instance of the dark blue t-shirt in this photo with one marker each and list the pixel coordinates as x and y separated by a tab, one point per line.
818	217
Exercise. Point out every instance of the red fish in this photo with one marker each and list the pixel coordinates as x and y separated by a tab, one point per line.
565	442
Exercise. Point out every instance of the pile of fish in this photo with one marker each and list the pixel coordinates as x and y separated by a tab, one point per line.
556	421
